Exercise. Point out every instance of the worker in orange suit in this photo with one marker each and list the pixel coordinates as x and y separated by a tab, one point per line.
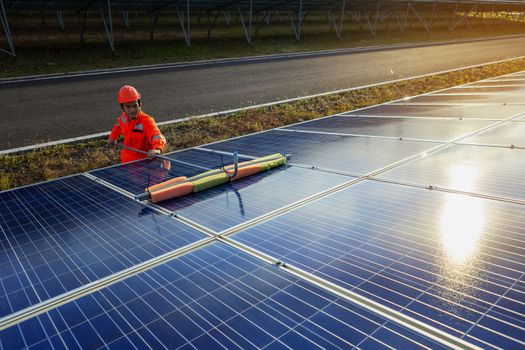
138	129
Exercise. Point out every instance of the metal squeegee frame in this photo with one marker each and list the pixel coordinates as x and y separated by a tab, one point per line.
145	195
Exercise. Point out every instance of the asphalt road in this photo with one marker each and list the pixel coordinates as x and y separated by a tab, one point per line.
63	108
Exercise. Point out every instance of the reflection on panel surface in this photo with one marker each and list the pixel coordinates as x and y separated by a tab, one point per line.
486	89
487	170
349	154
500	82
231	204
428	129
212	298
136	176
496	99
509	133
516	77
61	235
453	261
443	111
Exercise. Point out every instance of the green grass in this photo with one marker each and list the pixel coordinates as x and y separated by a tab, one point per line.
43	48
52	162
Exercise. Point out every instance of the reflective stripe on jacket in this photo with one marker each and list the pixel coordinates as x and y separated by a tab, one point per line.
141	133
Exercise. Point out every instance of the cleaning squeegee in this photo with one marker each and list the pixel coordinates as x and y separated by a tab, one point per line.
182	185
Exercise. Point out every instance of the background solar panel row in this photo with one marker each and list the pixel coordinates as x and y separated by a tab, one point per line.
428	129
349	154
456	111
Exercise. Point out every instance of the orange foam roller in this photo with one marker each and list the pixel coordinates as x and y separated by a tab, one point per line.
171	192
165	183
246	171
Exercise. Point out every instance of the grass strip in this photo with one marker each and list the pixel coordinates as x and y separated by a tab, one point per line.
66	159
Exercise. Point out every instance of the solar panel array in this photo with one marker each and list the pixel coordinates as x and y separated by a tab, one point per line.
396	226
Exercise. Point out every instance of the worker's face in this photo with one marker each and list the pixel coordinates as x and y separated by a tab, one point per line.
132	109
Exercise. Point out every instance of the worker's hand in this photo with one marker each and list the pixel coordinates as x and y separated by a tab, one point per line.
111	143
166	165
153	152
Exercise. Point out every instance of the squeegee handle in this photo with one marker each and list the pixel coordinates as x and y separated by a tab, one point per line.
141	151
235	165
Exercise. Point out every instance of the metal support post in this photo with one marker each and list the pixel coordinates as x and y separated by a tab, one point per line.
297	28
7	31
185	30
331	17
467	22
451	25
60	19
421	17
83	28
373	27
267	16
125	17
247	30
463	18
212	25
108	23
227	18
153	23
405	21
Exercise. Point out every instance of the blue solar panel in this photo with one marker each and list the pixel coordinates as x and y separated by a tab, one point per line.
349	154
509	83
214	297
495	89
428	129
231	204
136	176
442	111
510	133
467	98
515	77
488	170
453	261
63	234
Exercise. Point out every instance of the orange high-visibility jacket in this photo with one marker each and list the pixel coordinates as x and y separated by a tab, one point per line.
141	133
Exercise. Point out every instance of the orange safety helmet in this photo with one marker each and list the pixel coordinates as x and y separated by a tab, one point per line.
128	93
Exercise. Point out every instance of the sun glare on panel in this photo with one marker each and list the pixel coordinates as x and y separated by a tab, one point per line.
462	220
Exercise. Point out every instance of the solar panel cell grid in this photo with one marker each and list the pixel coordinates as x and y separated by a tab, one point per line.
499	82
225	206
486	98
442	111
507	134
488	89
216	296
441	130
468	168
513	77
347	154
60	235
407	248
